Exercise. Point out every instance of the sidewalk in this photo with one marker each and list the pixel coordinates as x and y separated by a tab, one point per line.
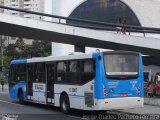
147	109
152	101
5	90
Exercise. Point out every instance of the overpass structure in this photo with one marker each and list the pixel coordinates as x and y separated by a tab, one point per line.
62	33
78	35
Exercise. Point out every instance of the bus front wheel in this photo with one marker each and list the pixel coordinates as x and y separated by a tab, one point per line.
65	104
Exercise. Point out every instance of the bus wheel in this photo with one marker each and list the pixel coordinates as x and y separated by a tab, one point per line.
65	104
20	97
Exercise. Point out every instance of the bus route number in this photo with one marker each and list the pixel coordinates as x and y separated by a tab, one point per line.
72	89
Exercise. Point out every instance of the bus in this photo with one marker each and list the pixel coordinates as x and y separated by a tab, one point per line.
95	81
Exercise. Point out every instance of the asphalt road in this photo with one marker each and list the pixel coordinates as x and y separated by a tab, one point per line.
11	109
31	111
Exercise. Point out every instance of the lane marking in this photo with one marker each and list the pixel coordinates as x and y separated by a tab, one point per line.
74	117
11	103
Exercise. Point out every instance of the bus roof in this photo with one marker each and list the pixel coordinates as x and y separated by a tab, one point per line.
51	58
67	57
22	61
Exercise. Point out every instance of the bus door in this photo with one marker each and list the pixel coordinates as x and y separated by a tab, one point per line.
50	83
39	84
30	79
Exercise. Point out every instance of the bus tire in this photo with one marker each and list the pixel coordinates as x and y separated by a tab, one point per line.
65	103
20	97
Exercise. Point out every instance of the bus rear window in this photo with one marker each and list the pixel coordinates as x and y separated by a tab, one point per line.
121	66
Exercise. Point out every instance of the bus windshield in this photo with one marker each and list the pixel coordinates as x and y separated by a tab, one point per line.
121	66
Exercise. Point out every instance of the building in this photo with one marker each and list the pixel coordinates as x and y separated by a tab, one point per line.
30	5
136	12
1	3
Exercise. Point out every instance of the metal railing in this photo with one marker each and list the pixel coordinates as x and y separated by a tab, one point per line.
91	24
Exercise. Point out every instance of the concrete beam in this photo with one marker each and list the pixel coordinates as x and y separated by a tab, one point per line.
41	30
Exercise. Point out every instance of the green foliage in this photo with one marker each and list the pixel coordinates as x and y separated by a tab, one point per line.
22	50
6	61
6	64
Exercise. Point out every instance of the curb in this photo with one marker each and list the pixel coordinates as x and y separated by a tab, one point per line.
152	101
123	112
2	93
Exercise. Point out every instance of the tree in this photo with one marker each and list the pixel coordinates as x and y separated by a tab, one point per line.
20	44
20	50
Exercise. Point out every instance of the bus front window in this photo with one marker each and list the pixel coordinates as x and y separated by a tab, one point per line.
121	66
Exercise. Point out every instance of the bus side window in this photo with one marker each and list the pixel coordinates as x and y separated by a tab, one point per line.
88	66
12	75
40	72
61	67
88	71
61	72
21	72
74	76
74	66
31	72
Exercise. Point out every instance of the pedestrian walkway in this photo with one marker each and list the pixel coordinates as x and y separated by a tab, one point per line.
5	90
152	101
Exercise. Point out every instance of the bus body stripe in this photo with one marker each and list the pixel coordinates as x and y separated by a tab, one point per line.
24	61
71	95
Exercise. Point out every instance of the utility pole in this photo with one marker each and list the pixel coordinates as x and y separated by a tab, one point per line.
1	79
1	52
1	40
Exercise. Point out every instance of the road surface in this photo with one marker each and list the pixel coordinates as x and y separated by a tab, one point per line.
42	112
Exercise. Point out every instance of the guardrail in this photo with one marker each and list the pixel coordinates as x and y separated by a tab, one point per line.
91	24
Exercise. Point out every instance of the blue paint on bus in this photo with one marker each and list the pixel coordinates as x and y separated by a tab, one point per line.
116	88
13	91
23	61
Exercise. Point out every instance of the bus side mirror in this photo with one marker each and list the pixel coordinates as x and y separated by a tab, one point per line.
99	58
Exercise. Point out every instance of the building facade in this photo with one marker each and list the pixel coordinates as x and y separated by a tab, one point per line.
29	5
1	3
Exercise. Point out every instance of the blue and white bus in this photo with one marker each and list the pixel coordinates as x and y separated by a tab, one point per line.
96	81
